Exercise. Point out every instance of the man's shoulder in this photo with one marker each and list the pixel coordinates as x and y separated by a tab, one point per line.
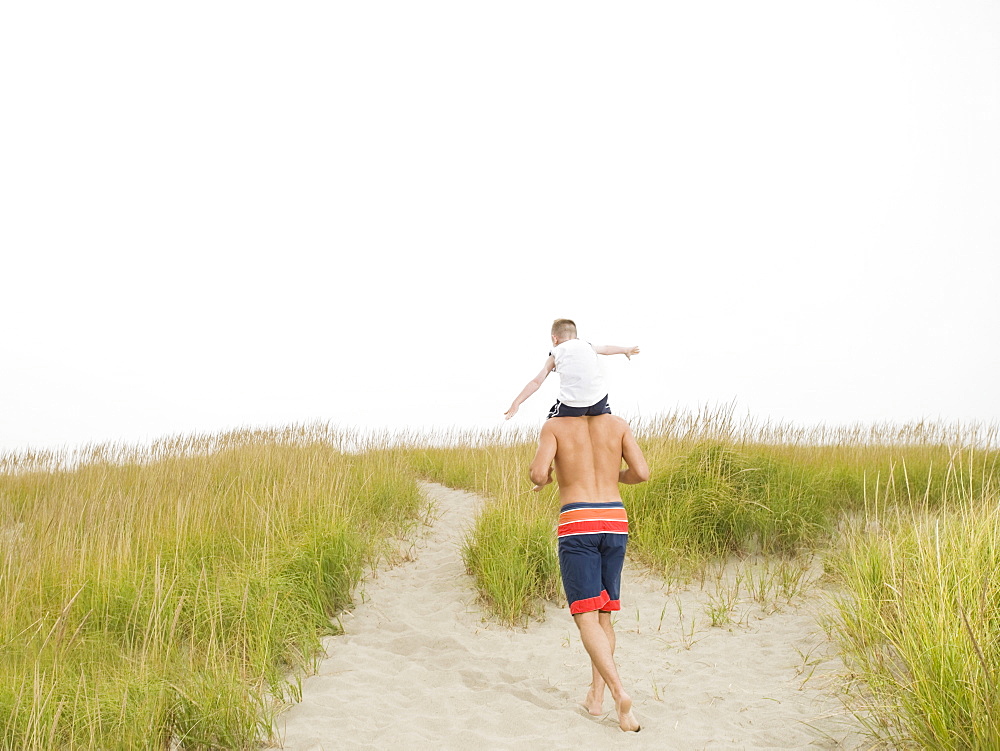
615	422
609	419
566	425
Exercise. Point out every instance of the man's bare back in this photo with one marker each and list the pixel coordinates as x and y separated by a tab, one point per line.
587	453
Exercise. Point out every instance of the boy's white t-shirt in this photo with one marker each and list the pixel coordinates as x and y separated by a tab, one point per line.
581	382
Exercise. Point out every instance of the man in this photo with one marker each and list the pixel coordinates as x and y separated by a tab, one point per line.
593	529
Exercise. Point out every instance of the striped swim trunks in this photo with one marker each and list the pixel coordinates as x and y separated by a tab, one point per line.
592	540
591	518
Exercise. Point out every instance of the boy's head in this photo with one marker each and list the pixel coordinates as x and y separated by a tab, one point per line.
563	330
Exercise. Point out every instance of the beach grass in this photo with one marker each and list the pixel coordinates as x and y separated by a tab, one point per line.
905	517
509	548
161	595
719	487
919	619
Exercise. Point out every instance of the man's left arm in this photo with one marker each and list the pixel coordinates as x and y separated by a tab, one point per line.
540	471
638	469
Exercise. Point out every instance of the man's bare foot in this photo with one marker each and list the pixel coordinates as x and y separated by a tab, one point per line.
594	703
626	720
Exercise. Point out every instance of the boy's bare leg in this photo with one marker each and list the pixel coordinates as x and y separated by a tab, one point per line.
594	703
599	647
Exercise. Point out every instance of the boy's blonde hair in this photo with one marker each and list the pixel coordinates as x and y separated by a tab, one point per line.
563	329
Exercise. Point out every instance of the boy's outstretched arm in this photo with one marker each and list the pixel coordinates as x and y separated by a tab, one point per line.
614	349
531	387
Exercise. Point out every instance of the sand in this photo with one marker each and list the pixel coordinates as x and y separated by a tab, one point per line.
421	666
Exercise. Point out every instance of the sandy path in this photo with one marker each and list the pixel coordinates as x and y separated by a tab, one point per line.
420	666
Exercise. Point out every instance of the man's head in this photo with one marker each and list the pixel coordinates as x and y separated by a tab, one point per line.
563	330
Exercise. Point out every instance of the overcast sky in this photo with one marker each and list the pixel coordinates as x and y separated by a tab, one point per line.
215	214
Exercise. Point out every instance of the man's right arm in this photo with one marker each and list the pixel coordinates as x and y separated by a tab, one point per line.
638	470
540	470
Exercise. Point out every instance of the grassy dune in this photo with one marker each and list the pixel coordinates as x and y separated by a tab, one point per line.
905	517
719	487
920	619
510	550
161	595
157	595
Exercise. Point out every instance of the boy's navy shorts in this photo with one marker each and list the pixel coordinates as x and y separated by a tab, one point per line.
561	410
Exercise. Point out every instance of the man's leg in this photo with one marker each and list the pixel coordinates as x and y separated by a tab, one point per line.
601	650
595	697
582	565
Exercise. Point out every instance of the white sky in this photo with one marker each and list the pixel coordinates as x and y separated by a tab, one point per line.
216	214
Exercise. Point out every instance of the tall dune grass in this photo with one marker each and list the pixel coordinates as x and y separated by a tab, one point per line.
160	595
719	486
919	561
508	549
722	486
920	619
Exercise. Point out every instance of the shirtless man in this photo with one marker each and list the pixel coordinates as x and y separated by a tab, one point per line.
593	531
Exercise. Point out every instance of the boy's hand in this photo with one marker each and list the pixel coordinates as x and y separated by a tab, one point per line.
510	413
633	351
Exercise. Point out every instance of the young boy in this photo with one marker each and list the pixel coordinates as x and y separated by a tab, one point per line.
581	385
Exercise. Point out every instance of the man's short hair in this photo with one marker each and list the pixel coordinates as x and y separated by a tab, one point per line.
563	328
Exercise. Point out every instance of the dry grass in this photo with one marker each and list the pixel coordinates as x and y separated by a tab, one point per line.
159	595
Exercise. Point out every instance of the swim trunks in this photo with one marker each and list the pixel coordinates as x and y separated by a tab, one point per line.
592	541
562	410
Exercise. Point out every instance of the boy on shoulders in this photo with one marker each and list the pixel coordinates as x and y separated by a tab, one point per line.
581	385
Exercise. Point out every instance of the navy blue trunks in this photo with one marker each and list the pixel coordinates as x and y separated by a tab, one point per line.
591	569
